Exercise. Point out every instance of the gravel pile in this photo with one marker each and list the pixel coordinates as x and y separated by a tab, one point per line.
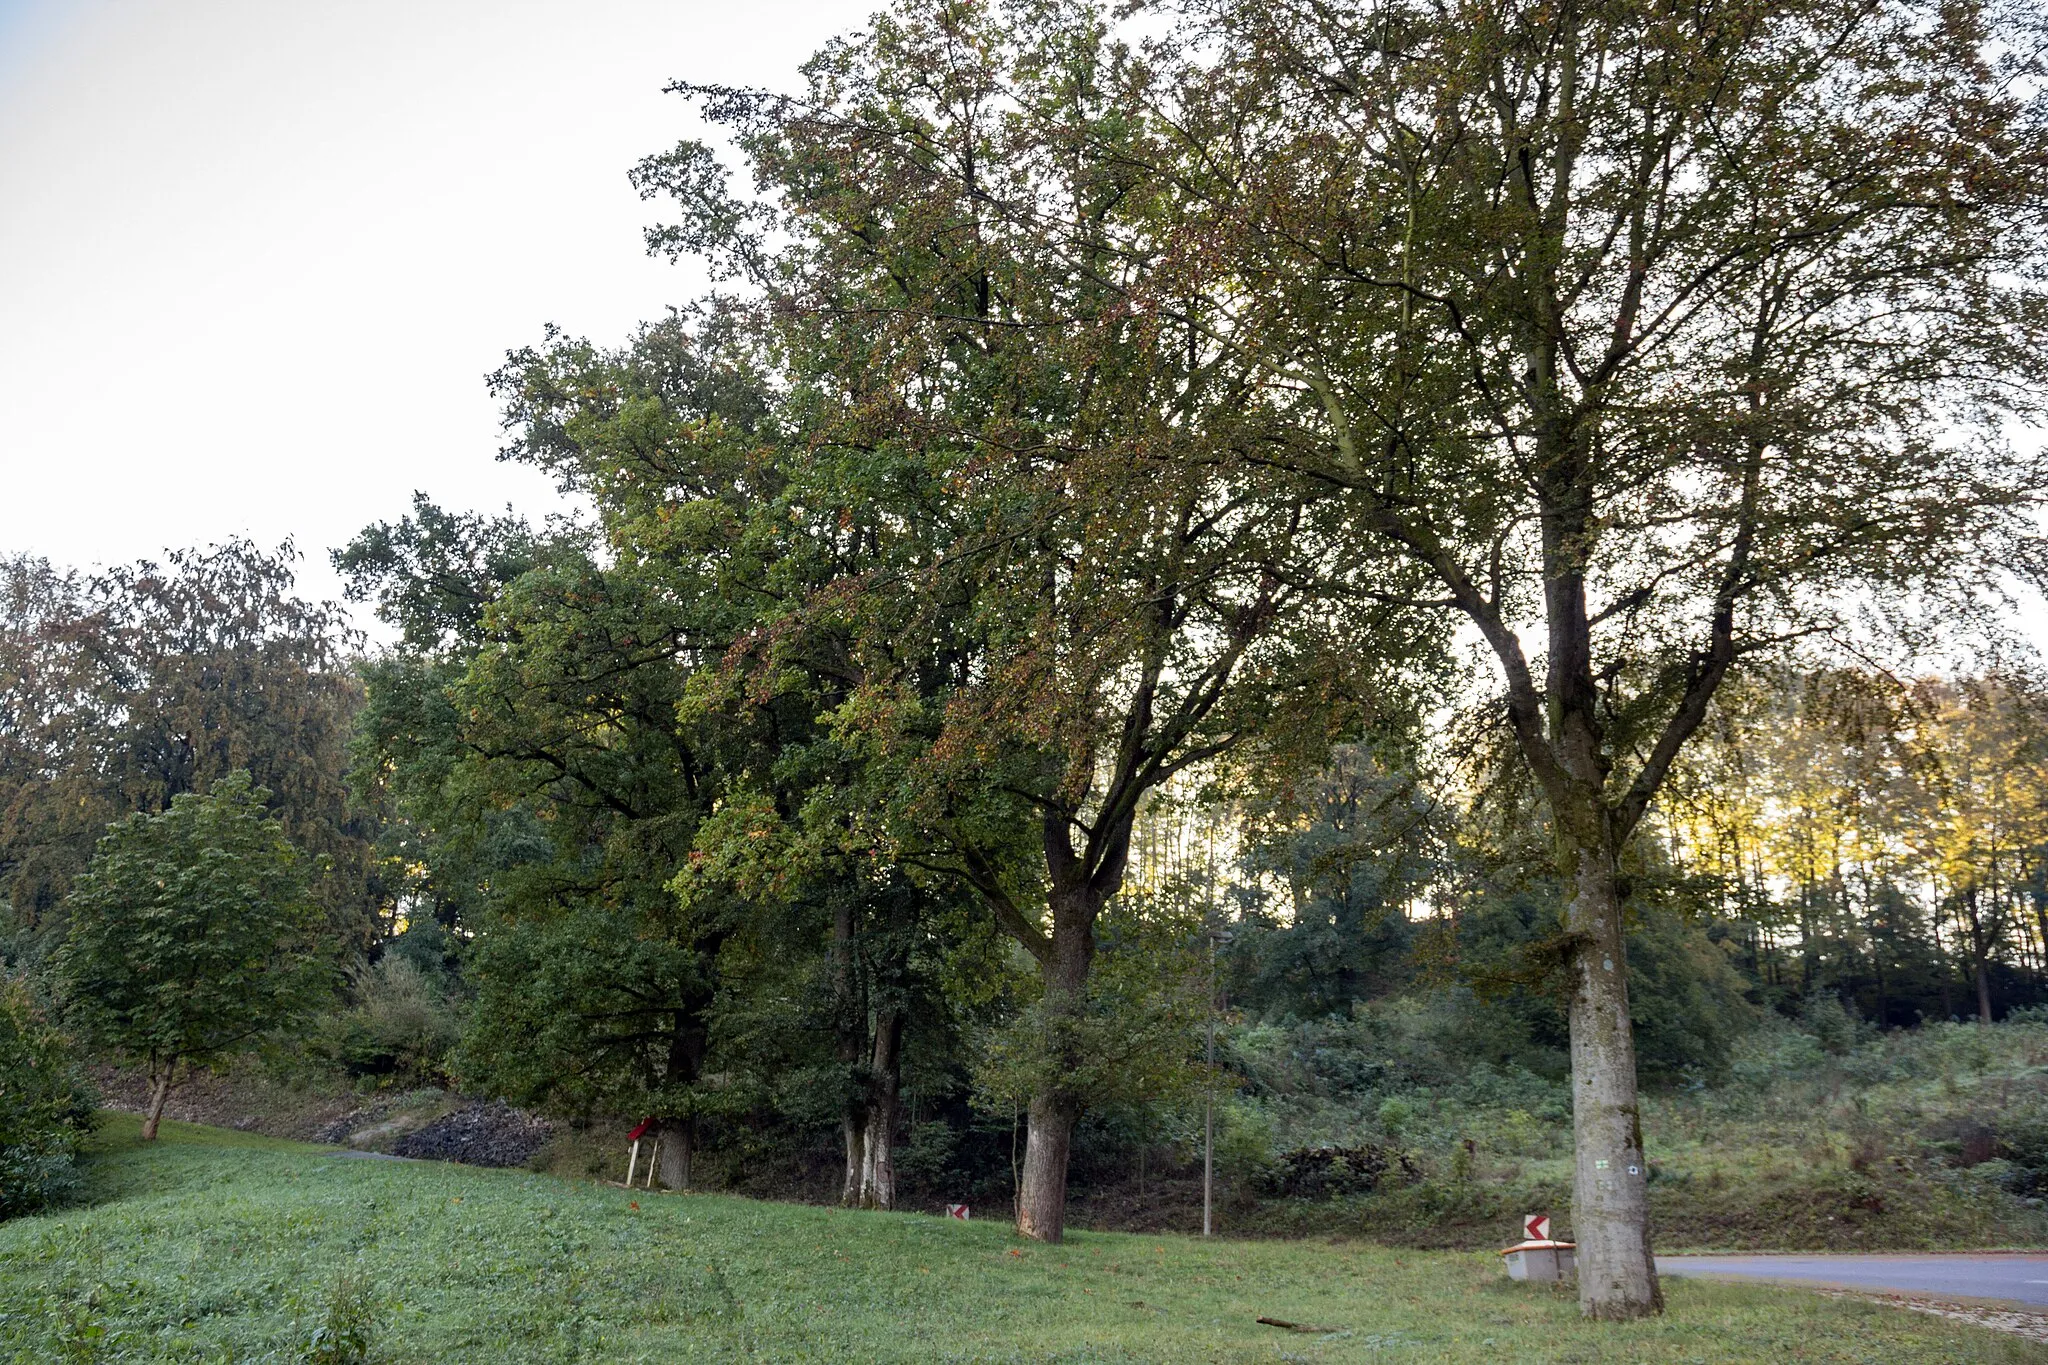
337	1131
482	1135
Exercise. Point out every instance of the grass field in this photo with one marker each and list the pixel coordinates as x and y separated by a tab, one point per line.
220	1246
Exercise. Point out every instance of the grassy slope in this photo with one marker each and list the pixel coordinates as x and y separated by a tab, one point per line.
1801	1149
221	1246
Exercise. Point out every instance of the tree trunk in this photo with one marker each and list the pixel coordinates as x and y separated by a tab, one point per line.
156	1101
2041	921
1980	953
678	1140
1884	999
1610	1187
878	1165
849	1018
688	1040
2037	892
1042	1202
854	1128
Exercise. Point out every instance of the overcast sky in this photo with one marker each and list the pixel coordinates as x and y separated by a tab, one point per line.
256	256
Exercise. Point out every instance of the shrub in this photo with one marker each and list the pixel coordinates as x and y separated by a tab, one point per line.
1832	1026
45	1106
1323	1172
1395	1115
927	1157
401	1029
343	1337
1775	1054
1244	1139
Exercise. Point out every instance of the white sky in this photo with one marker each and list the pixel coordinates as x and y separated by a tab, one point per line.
256	256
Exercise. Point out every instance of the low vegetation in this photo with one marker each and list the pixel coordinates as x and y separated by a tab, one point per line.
1003	693
1821	1137
45	1105
1823	1134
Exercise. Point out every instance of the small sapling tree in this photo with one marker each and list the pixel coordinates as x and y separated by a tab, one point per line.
192	934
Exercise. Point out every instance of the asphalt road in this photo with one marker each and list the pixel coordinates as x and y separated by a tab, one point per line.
2020	1279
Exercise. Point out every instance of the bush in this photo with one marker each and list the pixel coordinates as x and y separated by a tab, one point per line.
46	1107
401	1030
1775	1054
1325	1172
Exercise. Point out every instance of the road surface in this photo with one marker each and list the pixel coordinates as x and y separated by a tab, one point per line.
2017	1278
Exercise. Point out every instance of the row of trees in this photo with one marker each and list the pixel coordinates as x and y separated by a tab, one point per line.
1245	362
1881	840
1085	418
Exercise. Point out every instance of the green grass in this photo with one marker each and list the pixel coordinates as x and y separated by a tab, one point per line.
220	1246
119	1132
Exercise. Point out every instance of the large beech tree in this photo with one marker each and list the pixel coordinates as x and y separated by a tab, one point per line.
1084	577
529	732
1656	336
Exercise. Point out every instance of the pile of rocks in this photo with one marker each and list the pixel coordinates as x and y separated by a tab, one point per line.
338	1132
492	1134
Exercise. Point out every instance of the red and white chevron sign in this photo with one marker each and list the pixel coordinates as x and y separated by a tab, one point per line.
1536	1227
957	1211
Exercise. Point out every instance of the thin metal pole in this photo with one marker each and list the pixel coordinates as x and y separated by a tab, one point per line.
1209	1100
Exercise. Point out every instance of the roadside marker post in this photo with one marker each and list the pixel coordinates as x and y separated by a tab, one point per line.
633	1155
1537	1258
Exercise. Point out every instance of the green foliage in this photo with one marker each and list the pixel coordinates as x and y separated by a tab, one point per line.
343	1338
1394	1115
433	574
1124	440
1689	998
1138	1039
193	933
581	1010
1046	561
1354	847
532	741
128	689
400	1028
46	1105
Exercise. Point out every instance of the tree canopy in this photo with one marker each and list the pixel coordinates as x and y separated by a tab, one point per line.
123	690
